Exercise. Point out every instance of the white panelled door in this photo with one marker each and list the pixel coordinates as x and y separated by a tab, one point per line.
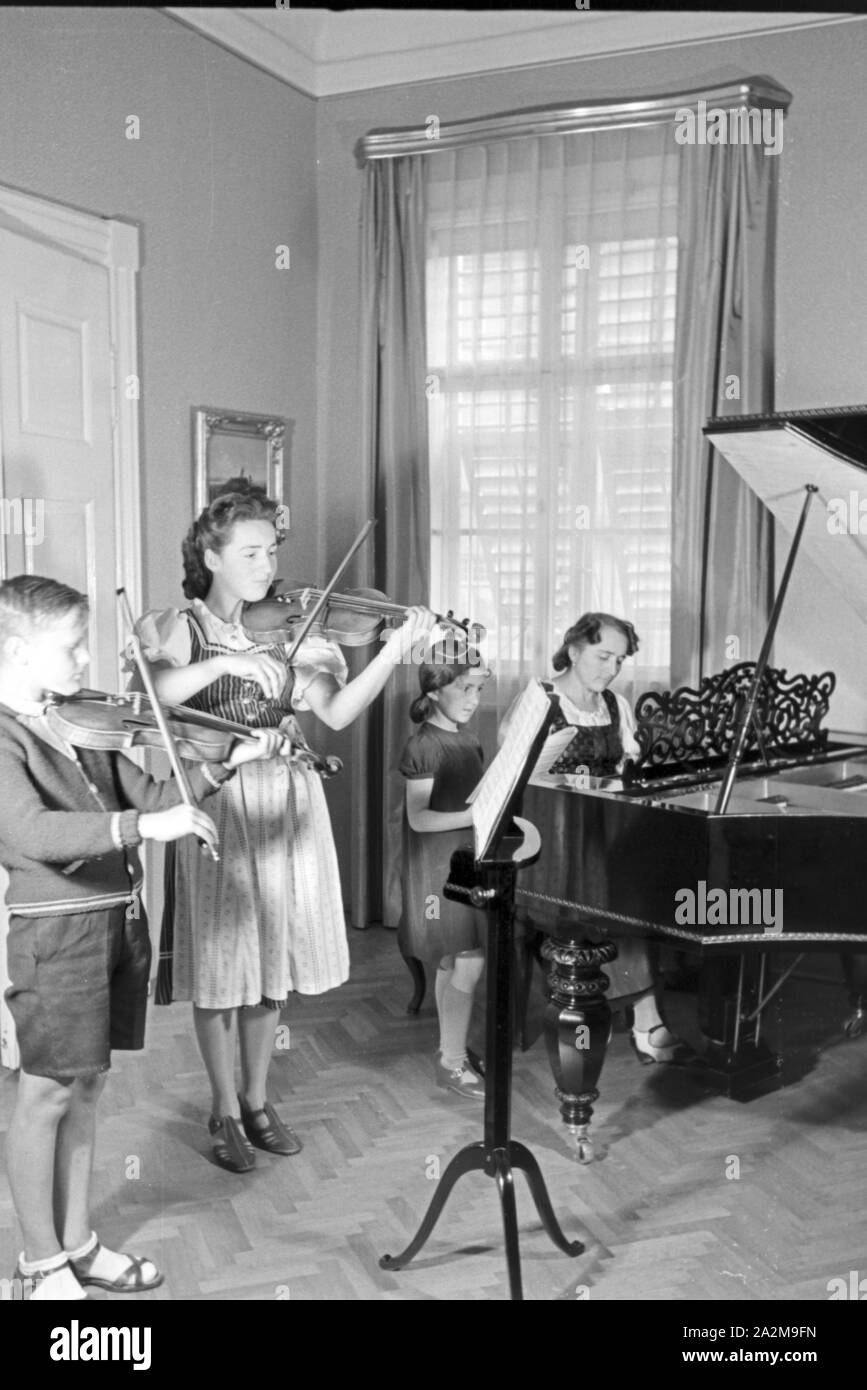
68	452
58	506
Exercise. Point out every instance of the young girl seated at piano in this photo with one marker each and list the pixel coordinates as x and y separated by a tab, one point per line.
602	736
442	763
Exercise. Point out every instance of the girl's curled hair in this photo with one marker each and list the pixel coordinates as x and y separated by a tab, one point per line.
587	630
445	664
238	500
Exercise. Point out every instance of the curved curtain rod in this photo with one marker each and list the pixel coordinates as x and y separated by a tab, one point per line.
602	114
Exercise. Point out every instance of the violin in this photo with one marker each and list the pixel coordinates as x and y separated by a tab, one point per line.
352	619
93	719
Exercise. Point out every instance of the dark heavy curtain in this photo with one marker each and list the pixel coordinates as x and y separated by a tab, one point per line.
722	570
395	480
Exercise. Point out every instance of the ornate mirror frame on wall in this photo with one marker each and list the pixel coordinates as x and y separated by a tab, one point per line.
232	443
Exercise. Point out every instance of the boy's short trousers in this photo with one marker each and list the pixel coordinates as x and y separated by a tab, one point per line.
79	989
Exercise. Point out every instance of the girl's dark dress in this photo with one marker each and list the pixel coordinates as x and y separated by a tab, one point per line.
431	926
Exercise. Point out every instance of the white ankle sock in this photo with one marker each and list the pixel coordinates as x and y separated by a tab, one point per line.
646	1013
59	1283
83	1250
455	1011
108	1264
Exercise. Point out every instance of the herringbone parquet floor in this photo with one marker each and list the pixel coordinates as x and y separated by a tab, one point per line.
661	1212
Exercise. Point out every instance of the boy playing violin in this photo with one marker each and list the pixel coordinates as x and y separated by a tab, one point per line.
78	946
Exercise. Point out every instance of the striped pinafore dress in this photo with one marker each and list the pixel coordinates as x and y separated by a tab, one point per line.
268	918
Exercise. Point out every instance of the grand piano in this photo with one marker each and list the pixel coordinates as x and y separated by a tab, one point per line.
740	831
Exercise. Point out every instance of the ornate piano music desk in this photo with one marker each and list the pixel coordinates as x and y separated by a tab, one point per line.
776	862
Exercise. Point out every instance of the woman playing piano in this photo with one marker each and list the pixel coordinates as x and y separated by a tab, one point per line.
602	736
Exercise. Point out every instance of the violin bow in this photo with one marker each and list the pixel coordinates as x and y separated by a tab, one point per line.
162	723
323	598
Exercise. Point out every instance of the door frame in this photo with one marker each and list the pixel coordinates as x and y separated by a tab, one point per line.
114	244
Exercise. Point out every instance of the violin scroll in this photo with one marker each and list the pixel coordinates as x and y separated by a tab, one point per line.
327	766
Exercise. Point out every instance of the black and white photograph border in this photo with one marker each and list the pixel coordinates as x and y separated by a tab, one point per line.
209	166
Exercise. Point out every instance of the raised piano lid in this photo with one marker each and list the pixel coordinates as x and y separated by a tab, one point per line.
777	455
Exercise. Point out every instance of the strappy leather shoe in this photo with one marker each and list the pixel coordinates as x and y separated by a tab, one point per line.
231	1149
275	1137
139	1274
674	1053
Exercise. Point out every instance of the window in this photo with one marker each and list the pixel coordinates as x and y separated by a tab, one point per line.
550	349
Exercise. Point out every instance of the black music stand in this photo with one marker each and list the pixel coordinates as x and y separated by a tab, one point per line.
487	879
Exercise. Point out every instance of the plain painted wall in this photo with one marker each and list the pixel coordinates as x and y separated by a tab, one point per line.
223	173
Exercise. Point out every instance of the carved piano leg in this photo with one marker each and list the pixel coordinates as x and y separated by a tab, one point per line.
737	1059
577	1029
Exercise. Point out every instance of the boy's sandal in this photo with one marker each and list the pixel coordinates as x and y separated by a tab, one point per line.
231	1149
275	1137
134	1279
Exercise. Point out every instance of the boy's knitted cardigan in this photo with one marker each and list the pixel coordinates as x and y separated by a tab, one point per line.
56	839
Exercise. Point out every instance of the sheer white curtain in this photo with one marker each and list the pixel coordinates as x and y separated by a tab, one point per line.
551	272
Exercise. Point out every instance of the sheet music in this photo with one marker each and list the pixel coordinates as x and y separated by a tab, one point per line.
493	792
555	744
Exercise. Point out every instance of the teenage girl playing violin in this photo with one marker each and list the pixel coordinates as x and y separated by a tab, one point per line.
268	919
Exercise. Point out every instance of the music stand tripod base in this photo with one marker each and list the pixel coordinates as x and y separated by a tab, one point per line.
497	1155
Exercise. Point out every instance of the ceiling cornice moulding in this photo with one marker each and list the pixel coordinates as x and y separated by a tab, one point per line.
328	53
